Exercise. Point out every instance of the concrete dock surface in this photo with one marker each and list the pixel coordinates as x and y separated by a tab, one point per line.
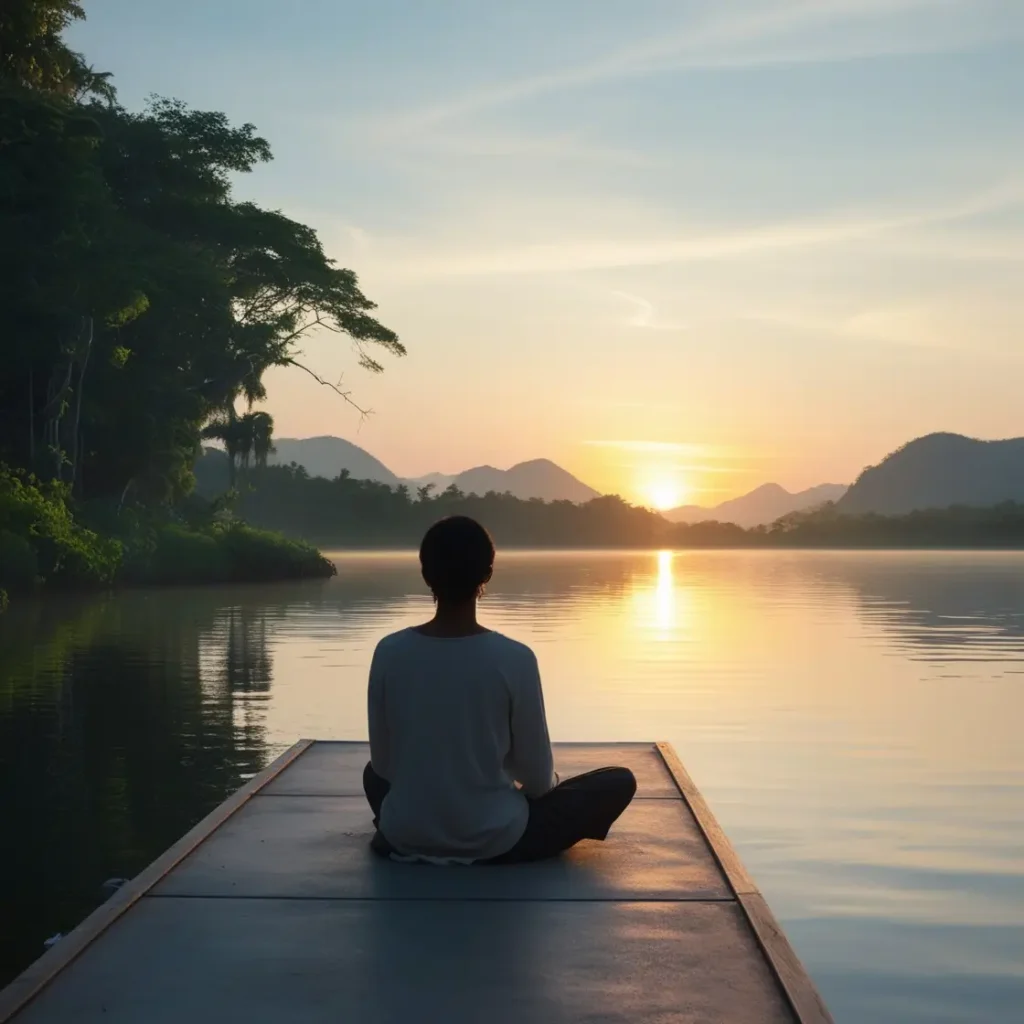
273	910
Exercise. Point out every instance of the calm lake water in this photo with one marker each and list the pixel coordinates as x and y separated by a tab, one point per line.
855	721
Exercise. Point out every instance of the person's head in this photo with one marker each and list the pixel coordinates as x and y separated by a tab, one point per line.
457	559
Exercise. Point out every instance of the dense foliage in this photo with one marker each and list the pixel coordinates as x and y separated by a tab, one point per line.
41	542
141	300
32	52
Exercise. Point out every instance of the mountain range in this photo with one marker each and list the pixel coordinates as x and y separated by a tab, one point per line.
327	456
538	478
762	505
934	471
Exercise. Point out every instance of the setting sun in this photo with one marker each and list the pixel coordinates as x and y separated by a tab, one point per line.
666	494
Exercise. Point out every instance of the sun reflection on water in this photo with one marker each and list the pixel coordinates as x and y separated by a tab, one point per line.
665	593
662	607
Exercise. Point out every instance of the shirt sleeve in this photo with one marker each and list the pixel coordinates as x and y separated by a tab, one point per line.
531	760
380	739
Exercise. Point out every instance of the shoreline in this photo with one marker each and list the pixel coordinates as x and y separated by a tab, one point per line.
328	552
332	549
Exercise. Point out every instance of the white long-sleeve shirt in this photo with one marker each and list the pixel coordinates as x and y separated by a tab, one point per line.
454	723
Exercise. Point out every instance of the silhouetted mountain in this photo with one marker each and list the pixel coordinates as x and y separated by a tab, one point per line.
937	471
439	481
538	478
762	505
328	456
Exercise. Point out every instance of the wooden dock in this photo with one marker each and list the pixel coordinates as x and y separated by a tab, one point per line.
273	909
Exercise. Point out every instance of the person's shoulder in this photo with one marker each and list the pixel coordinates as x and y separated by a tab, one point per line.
395	641
513	650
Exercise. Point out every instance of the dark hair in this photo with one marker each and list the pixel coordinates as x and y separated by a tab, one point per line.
457	558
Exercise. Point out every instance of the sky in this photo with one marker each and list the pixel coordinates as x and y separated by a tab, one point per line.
681	247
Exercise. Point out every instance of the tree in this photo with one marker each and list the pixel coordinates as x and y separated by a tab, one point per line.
261	428
244	438
231	288
65	273
225	428
140	297
32	53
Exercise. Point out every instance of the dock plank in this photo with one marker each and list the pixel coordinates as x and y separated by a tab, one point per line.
335	768
312	961
319	846
723	850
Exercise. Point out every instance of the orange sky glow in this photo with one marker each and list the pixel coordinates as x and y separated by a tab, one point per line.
680	249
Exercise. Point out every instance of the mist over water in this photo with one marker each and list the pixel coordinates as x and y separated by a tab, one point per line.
853	719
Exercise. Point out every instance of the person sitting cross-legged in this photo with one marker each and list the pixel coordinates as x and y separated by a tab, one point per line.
460	767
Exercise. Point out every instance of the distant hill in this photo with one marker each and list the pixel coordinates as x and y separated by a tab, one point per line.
538	478
763	505
937	471
328	456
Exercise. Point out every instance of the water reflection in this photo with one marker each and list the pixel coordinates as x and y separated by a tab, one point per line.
113	742
665	594
853	718
937	604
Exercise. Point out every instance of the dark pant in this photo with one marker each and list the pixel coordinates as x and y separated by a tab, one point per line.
583	807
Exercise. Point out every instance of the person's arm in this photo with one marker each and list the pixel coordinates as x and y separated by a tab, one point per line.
531	760
380	746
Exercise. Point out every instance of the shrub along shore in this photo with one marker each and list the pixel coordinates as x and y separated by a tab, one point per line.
46	542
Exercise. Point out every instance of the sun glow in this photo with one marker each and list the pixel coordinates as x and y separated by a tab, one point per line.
665	493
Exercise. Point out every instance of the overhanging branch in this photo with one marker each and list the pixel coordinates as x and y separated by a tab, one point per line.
336	388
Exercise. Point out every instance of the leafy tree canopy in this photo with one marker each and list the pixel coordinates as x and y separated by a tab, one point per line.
140	299
33	54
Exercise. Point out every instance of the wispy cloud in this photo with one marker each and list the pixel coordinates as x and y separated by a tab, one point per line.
764	33
961	247
597	253
943	322
644	314
561	147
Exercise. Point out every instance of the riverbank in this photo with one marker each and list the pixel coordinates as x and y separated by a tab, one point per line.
47	542
236	553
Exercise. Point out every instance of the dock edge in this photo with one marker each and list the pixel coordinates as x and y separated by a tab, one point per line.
800	992
27	985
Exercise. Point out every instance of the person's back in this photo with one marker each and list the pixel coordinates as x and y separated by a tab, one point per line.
452	706
456	717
